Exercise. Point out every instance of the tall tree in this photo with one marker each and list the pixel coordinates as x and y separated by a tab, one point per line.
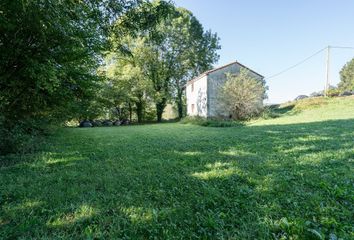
158	70
176	49
152	57
50	51
189	50
347	77
126	77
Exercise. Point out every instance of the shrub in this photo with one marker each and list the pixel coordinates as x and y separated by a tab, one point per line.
269	113
333	92
22	136
241	97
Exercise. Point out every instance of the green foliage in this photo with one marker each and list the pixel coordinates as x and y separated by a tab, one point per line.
189	50
126	81
142	49
50	53
174	50
126	63
285	178
206	122
150	113
241	96
270	112
333	92
24	136
347	77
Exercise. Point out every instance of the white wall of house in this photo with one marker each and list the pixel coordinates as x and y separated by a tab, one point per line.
196	94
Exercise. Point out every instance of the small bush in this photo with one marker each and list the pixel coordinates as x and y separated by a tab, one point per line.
242	95
22	136
333	92
269	113
207	122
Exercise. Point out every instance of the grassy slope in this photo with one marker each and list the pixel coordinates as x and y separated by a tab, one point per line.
290	177
313	110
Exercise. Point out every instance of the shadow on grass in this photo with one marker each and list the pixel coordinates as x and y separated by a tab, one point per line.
178	181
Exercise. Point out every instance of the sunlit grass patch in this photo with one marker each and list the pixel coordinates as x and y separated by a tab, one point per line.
138	214
217	170
236	152
64	160
195	153
28	204
82	213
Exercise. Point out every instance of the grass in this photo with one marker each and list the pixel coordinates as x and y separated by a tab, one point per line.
200	121
285	178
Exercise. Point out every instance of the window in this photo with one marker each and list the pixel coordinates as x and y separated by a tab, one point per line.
192	108
192	87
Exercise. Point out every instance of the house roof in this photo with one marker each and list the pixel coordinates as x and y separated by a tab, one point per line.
219	68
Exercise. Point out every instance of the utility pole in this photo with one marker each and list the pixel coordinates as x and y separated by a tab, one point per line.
327	71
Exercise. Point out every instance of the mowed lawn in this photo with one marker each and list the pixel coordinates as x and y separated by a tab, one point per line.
287	178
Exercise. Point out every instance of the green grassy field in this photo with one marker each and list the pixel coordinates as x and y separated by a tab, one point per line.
290	177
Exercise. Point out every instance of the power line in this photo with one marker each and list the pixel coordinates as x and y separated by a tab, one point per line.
297	64
341	47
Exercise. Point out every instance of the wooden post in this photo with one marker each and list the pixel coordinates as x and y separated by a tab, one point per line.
327	72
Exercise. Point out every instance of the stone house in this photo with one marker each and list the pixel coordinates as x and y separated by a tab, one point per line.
201	92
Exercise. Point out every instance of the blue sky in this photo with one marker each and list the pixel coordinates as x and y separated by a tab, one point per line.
269	36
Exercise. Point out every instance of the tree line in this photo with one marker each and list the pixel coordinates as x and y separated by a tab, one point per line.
147	68
64	60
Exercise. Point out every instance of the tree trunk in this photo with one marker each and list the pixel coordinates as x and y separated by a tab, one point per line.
160	106
130	112
180	104
119	112
139	110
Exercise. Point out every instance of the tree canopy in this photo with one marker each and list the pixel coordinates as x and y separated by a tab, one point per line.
176	49
50	53
347	77
63	60
51	50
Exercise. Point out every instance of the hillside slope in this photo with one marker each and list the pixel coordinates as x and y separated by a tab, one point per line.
312	110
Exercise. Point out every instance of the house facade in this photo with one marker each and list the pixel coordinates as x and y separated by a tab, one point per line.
202	91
